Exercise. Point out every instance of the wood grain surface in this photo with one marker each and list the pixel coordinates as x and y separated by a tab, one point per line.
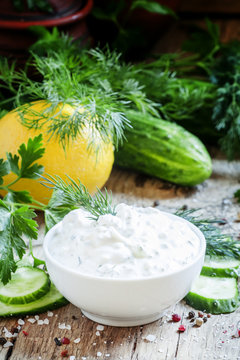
215	340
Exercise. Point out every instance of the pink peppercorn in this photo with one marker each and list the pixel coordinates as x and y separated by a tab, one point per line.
182	328
25	333
65	341
176	318
64	353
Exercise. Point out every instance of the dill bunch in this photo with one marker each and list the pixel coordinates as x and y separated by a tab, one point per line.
218	244
72	195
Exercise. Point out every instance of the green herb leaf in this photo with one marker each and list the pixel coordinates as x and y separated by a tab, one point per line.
109	12
153	6
74	194
237	195
29	154
15	222
205	42
4	169
22	196
52	216
217	244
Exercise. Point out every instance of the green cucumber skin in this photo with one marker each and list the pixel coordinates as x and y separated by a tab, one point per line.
31	296
212	306
230	272
50	301
164	150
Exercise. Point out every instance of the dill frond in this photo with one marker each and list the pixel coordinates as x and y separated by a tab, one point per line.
218	244
75	194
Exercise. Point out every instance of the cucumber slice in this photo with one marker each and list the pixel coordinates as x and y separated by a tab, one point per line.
220	266
52	300
27	284
216	295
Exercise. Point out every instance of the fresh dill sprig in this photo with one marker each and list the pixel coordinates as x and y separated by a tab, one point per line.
74	194
218	244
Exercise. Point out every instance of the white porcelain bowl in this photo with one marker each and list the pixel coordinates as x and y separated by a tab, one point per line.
124	302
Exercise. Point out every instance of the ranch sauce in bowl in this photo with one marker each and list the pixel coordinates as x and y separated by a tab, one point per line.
135	243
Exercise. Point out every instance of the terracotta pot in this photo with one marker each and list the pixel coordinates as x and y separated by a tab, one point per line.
15	38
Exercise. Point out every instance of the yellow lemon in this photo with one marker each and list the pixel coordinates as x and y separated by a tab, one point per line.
77	160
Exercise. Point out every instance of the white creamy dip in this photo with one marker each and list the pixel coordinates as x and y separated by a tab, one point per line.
137	242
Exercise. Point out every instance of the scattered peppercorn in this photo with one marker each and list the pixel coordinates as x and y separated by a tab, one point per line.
64	353
239	333
181	328
222	222
176	317
191	314
2	341
65	341
199	322
208	315
25	333
156	203
205	319
14	330
200	314
74	317
192	320
57	341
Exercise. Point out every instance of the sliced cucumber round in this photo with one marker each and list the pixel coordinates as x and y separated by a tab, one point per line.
220	266
27	284
216	295
50	301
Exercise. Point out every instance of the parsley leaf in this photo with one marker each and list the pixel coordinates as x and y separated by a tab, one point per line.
53	215
29	154
4	169
15	223
22	196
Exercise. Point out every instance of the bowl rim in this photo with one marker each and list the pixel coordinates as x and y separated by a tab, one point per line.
202	249
57	21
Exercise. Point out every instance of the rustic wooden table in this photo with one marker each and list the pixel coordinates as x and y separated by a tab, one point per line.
215	339
159	340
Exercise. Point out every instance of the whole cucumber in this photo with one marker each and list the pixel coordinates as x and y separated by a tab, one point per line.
163	149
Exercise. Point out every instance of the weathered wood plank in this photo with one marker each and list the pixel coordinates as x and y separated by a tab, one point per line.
212	341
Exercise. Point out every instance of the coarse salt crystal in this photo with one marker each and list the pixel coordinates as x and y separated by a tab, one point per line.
97	333
150	338
76	341
61	326
64	326
40	322
99	353
50	313
8	334
46	321
36	317
84	358
72	357
8	344
100	327
31	320
21	322
94	344
107	355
